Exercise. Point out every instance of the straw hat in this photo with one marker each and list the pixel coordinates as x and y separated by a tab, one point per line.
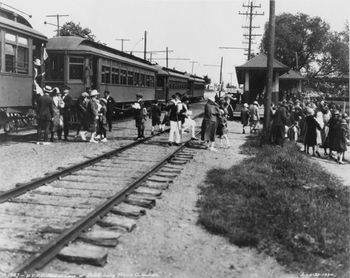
37	62
48	89
94	93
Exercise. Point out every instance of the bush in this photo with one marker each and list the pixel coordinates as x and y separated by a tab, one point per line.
283	204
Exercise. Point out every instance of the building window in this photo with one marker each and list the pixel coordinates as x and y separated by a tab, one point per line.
105	74
123	77
115	76
76	68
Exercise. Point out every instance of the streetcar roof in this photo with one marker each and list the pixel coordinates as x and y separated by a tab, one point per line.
81	45
17	27
171	72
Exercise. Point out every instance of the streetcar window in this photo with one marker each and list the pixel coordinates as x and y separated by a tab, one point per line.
106	74
115	76
76	68
152	81
16	54
148	83
142	81
22	59
130	78
54	67
136	79
123	77
10	57
10	37
23	41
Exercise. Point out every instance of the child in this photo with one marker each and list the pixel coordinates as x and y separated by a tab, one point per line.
155	116
101	130
293	132
222	127
244	116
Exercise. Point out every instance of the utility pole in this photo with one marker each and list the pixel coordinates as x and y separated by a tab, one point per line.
166	56
193	62
58	21
145	46
271	50
220	72
222	59
122	40
250	35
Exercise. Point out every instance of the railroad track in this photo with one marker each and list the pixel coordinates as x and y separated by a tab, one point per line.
41	218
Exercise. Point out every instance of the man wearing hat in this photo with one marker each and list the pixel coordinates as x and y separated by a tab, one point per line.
279	121
175	121
140	116
68	103
45	114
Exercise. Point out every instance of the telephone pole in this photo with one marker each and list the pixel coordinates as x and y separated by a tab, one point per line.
58	21
145	46
250	35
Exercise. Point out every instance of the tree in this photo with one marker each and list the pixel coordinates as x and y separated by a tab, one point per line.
306	43
299	35
72	29
207	80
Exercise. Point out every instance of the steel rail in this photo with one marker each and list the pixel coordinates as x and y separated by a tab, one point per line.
12	193
50	251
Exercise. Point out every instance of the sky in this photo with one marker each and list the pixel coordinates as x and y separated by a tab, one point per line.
193	29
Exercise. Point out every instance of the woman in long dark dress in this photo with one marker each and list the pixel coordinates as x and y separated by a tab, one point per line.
339	141
310	139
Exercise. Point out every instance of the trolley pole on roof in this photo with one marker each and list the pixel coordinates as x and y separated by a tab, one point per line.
122	40
271	50
145	46
193	62
58	21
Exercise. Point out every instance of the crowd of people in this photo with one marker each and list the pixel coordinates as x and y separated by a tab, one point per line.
55	108
315	124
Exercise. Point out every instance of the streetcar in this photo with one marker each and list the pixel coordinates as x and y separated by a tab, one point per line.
83	64
20	45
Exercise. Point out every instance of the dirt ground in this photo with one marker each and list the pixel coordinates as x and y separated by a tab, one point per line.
168	242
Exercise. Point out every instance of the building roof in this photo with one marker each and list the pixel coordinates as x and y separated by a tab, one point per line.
260	63
292	75
81	45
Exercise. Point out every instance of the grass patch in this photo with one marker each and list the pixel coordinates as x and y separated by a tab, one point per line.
284	205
